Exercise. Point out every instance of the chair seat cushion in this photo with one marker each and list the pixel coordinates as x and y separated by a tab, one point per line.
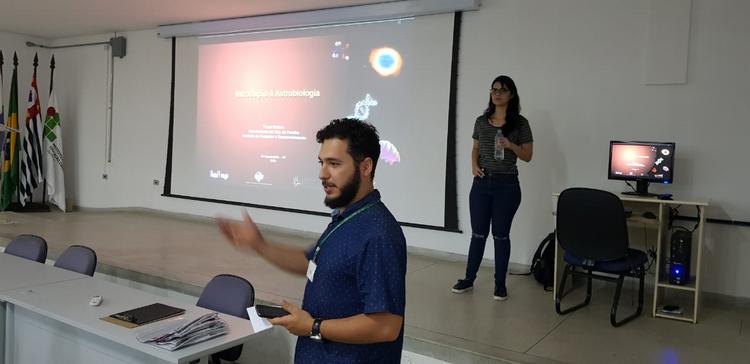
633	259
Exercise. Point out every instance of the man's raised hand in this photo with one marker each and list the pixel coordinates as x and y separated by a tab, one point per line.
243	234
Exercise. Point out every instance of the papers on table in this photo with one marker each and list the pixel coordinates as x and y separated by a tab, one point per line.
182	332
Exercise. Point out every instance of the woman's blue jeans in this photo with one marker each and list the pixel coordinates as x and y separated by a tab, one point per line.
493	201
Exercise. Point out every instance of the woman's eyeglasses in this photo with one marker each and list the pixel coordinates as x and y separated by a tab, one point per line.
499	91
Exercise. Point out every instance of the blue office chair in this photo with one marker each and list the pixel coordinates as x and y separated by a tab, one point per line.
592	230
28	246
78	258
231	295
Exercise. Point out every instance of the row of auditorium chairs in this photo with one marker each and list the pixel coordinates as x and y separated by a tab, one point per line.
225	293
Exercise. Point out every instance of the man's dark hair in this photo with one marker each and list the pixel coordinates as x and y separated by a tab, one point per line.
361	136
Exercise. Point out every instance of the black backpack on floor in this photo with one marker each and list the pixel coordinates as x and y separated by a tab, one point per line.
543	262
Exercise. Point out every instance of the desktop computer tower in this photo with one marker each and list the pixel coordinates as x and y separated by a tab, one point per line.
679	257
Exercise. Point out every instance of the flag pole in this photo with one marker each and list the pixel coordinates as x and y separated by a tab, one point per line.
31	193
31	206
54	174
42	207
44	127
51	72
2	143
15	70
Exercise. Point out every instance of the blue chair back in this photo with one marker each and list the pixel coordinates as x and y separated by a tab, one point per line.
28	246
78	258
231	295
228	294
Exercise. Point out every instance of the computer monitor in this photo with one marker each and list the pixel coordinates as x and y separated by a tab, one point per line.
642	162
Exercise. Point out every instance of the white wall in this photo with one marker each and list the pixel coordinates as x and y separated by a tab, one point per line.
578	65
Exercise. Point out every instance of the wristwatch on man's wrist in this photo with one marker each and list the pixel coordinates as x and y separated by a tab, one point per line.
315	332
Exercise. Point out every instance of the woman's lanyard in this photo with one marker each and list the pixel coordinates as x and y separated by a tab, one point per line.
325	238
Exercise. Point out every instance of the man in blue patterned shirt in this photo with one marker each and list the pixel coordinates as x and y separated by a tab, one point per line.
353	307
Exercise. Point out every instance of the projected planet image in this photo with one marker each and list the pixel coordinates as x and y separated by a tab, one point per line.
386	61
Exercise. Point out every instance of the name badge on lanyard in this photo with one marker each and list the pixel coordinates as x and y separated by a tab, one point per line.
311	267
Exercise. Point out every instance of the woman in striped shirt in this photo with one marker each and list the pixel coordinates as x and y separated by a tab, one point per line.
501	137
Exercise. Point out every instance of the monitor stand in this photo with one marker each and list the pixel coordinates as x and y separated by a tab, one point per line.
641	189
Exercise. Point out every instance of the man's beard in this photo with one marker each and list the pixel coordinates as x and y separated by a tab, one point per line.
348	192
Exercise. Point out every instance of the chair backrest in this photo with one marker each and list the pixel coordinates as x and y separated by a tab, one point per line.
28	246
228	294
591	224
231	295
78	258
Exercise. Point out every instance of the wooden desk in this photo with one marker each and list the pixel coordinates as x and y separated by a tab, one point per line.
687	296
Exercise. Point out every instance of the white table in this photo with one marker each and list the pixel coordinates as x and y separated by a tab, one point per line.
18	272
54	322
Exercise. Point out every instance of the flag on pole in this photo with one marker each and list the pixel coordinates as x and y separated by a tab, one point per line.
53	146
31	154
10	160
2	119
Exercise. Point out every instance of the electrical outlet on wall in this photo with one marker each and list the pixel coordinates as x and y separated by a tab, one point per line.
156	182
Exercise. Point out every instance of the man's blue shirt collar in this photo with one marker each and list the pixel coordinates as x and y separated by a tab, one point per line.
337	215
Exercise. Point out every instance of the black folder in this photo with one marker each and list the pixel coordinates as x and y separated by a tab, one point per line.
143	315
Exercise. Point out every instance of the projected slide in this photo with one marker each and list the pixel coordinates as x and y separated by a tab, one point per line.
247	109
268	109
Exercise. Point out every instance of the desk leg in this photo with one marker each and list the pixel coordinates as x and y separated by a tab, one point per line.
660	238
696	303
7	332
558	251
2	332
559	267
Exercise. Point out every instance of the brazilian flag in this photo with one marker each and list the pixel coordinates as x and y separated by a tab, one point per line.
10	145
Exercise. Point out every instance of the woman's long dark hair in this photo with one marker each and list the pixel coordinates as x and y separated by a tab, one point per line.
514	104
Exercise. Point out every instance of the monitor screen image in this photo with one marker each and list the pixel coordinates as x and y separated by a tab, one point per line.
643	162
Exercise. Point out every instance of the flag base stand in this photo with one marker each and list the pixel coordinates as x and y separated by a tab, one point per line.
30	207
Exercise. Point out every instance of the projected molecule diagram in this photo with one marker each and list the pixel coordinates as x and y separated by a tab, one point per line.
386	61
388	151
362	108
340	50
259	176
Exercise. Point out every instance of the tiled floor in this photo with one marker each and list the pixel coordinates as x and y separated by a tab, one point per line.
456	328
